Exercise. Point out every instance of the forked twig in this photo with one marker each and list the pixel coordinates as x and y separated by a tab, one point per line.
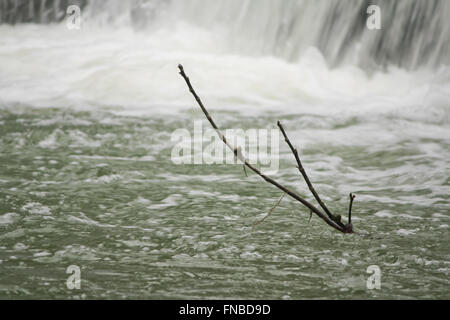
270	211
239	155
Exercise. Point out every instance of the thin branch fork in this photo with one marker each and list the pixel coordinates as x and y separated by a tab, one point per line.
325	217
308	182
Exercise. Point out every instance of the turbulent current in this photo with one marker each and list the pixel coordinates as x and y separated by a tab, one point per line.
87	178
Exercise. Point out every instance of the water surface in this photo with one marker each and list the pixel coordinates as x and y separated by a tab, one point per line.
87	179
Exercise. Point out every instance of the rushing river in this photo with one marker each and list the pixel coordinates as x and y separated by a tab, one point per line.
87	177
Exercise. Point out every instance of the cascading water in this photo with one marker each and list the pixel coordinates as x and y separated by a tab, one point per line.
36	11
300	43
414	33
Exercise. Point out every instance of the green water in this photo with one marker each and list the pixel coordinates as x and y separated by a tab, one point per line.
99	190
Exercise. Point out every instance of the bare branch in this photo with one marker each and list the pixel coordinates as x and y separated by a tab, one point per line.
291	193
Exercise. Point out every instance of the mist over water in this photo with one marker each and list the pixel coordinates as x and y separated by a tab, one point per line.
86	176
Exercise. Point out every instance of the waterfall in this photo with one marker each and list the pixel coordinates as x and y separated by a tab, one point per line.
414	33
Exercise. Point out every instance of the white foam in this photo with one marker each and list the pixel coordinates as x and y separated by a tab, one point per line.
250	255
20	246
8	218
384	214
42	254
136	73
405	232
36	208
170	201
